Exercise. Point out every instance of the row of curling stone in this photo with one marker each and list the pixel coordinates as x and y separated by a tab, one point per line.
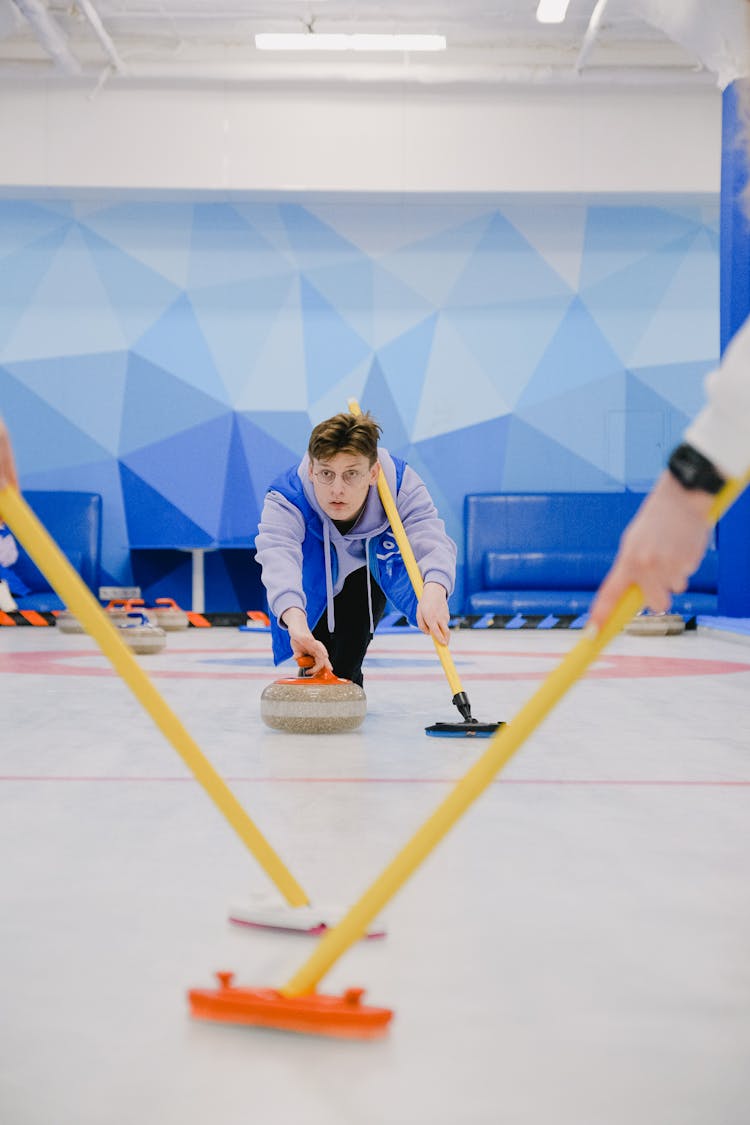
647	624
320	704
165	613
139	634
143	630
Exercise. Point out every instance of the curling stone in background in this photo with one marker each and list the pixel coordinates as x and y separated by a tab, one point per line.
305	704
257	622
167	615
140	635
119	608
647	624
67	622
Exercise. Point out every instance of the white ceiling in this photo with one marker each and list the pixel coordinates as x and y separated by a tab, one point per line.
489	41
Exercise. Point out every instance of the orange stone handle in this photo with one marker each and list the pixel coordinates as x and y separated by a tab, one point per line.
322	677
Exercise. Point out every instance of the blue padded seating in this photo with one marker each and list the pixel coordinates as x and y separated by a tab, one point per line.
74	520
546	553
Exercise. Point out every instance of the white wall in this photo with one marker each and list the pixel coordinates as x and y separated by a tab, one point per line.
544	139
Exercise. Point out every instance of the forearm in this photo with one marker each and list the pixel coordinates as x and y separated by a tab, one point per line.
278	552
294	619
660	549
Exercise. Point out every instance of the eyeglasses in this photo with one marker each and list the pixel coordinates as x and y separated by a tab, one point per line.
349	477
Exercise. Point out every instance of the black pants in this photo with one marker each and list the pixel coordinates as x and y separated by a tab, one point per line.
348	642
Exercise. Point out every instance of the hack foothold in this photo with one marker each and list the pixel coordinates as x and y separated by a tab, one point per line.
320	704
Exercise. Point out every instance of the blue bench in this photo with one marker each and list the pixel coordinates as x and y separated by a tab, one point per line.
74	520
546	553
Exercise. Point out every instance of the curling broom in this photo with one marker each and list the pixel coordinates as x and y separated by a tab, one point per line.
470	727
323	1014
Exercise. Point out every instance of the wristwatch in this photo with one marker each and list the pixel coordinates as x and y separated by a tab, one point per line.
694	471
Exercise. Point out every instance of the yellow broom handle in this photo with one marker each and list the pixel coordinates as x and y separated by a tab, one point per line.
76	596
501	749
410	562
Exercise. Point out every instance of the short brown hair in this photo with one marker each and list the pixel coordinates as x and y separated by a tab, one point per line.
345	433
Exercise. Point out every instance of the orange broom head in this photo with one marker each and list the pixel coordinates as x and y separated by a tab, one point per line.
341	1017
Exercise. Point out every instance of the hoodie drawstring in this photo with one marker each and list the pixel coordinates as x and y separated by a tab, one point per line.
368	541
330	618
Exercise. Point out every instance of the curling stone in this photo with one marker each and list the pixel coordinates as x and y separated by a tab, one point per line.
119	608
140	635
67	622
167	615
656	624
321	704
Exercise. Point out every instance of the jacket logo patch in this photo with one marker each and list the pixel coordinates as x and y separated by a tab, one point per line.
389	550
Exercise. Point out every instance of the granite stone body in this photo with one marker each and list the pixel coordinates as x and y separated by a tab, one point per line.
172	620
67	622
319	705
143	639
656	624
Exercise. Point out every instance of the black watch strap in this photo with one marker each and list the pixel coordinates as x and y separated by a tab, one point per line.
694	471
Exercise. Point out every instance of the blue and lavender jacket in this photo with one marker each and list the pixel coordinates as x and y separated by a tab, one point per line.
305	559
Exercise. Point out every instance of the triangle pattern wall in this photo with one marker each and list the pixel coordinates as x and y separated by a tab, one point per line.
174	355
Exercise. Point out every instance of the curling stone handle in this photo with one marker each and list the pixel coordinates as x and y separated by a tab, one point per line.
322	677
305	664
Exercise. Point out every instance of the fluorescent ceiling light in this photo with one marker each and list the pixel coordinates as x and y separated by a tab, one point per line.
315	42
552	11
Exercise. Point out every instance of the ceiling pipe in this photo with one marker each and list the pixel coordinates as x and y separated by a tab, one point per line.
102	35
198	75
592	34
49	34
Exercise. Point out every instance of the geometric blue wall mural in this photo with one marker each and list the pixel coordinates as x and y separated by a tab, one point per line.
173	356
